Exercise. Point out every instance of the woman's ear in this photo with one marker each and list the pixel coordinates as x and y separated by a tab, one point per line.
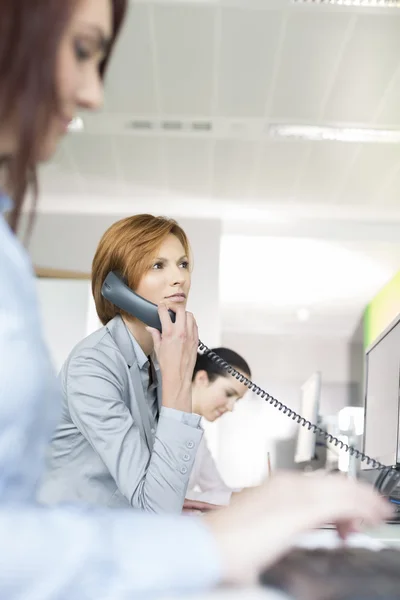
201	378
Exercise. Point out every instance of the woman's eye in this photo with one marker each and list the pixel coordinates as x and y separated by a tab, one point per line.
158	266
81	52
185	264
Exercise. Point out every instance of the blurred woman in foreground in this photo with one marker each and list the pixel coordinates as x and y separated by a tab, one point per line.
53	56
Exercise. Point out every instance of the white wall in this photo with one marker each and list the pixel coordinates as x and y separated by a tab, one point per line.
64	307
293	358
204	302
280	364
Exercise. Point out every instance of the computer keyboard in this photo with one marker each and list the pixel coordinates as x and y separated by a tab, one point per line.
388	483
395	502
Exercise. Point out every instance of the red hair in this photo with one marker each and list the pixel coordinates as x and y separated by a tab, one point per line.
127	247
30	35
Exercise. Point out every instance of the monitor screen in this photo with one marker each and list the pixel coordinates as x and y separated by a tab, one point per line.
309	407
381	423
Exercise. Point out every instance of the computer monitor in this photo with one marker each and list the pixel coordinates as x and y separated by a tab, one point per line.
309	408
382	378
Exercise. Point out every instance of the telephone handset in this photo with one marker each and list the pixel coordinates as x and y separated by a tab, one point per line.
115	290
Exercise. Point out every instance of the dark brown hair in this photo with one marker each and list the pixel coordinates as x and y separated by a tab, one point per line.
127	247
30	35
214	370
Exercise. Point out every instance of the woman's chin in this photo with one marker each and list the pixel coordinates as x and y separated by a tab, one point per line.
173	304
212	418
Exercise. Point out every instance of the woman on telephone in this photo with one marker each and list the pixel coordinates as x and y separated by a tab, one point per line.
128	435
214	392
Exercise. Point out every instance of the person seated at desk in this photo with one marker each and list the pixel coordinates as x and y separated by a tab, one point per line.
337	574
214	392
128	436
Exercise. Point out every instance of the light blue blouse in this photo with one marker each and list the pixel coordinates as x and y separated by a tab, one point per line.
66	552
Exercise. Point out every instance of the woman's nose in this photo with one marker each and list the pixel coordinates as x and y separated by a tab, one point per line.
230	406
177	277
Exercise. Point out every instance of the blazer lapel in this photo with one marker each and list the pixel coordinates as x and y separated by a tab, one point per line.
141	403
121	337
159	387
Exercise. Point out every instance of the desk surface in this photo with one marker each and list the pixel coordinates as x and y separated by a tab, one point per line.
254	593
387	534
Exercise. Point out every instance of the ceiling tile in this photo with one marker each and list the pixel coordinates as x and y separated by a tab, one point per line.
130	86
185	55
188	165
233	168
389	109
93	155
278	169
248	50
324	170
54	181
308	58
140	161
370	61
373	165
257	5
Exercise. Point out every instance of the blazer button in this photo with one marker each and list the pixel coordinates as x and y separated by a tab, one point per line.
186	457
190	444
183	470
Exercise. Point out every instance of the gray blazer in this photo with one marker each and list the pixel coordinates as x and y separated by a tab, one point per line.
105	451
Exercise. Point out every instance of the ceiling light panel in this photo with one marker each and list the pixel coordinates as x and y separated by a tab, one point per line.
335	134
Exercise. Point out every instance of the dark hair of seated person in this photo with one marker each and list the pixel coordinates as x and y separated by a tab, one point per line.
339	574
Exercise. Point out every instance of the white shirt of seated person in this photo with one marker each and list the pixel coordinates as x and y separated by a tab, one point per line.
212	397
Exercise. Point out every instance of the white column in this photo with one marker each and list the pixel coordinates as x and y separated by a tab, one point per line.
205	238
64	311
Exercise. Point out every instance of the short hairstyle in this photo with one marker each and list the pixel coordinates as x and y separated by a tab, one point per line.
339	574
126	248
213	370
